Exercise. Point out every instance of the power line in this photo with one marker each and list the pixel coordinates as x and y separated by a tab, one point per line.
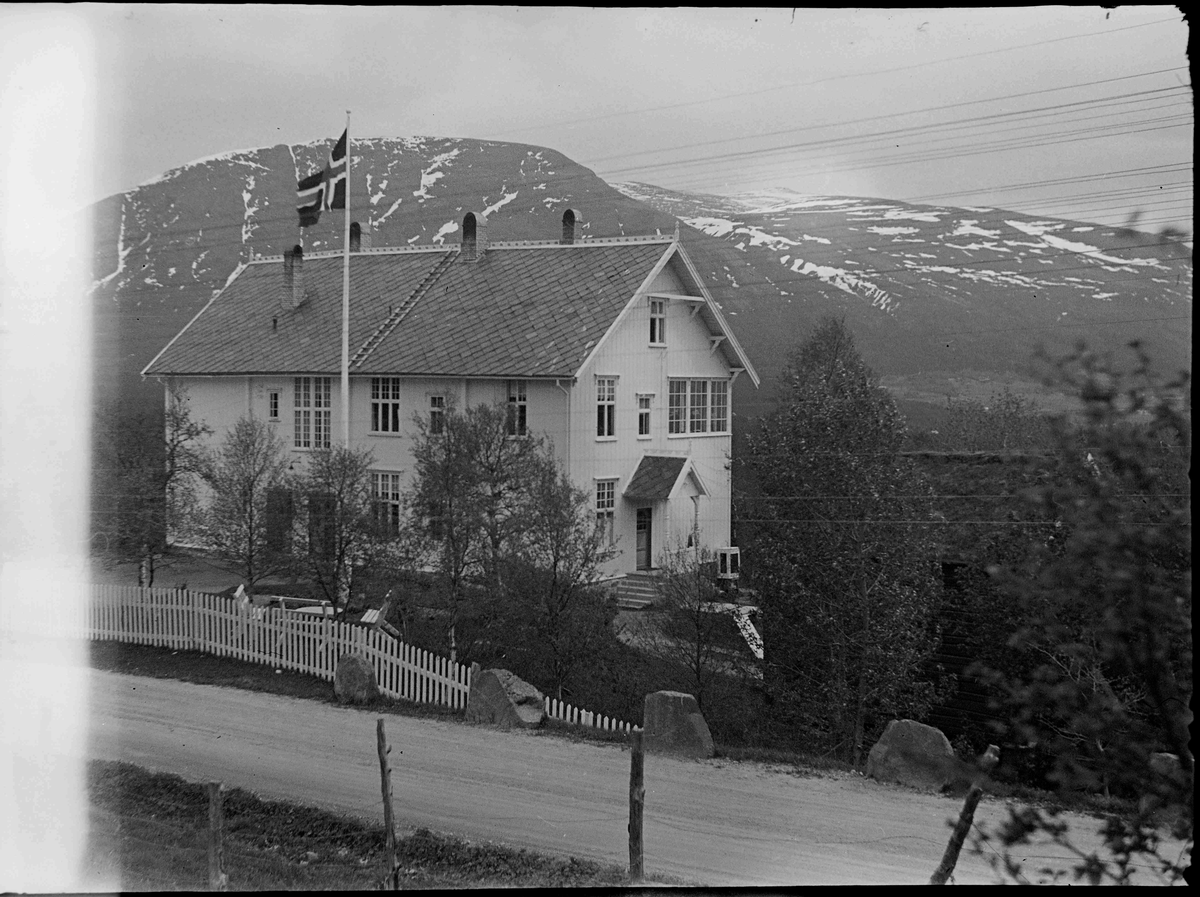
1166	168
1058	107
812	83
890	115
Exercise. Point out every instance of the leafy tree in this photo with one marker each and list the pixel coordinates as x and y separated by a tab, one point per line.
148	470
840	555
1103	678
552	612
345	536
245	471
691	628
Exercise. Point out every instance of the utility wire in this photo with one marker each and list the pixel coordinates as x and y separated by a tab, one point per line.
778	87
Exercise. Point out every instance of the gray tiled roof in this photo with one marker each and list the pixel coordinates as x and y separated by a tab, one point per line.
655	477
521	311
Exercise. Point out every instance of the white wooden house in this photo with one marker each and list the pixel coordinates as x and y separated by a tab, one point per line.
612	347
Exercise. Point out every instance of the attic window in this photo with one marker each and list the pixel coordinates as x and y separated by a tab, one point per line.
658	322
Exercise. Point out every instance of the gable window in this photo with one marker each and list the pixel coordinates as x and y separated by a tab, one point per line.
698	406
437	415
273	404
312	409
643	406
658	322
606	503
606	407
385	404
518	404
385	488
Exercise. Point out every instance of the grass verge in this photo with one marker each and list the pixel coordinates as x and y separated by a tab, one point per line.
149	831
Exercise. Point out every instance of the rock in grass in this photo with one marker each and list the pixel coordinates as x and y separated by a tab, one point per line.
674	725
501	698
354	680
913	754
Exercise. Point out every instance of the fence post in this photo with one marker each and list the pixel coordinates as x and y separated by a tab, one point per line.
217	879
389	823
637	802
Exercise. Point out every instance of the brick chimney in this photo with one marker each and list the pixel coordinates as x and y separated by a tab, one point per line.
572	221
293	277
474	236
360	236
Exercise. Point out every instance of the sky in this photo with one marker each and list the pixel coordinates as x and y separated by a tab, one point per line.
866	102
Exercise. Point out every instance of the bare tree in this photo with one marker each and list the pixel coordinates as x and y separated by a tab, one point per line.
346	533
246	469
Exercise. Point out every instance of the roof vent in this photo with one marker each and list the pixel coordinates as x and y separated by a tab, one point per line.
474	236
572	221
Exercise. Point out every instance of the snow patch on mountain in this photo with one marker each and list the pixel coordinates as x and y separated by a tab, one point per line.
846	281
448	228
496	206
122	252
1095	253
967	227
1034	228
249	225
431	175
892	231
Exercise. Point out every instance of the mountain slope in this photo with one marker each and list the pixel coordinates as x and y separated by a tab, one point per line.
935	293
932	293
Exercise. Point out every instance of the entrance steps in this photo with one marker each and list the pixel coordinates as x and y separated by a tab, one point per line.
635	591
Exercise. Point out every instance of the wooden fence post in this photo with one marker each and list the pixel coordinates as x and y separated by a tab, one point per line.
389	822
637	802
217	879
986	764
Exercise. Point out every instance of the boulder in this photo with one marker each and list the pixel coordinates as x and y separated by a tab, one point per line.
673	725
354	680
913	754
502	699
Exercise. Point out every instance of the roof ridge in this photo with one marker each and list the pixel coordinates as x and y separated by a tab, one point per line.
585	243
381	332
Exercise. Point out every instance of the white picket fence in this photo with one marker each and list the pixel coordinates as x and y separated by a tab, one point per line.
566	713
286	639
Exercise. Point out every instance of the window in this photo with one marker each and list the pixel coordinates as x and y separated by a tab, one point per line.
273	404
517	408
385	488
606	502
312	412
677	401
658	322
698	406
385	404
606	407
322	525
437	415
280	513
643	405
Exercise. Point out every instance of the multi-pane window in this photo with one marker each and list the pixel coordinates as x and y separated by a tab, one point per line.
643	406
606	406
518	404
437	415
385	404
698	406
677	407
606	503
658	322
273	405
313	403
385	488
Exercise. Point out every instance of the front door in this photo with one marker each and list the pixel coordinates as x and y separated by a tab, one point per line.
643	538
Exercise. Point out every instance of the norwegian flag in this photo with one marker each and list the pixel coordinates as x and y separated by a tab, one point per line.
323	190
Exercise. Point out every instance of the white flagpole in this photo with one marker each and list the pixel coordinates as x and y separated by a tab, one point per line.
346	302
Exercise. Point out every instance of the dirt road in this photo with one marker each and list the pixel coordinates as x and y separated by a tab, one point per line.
707	822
